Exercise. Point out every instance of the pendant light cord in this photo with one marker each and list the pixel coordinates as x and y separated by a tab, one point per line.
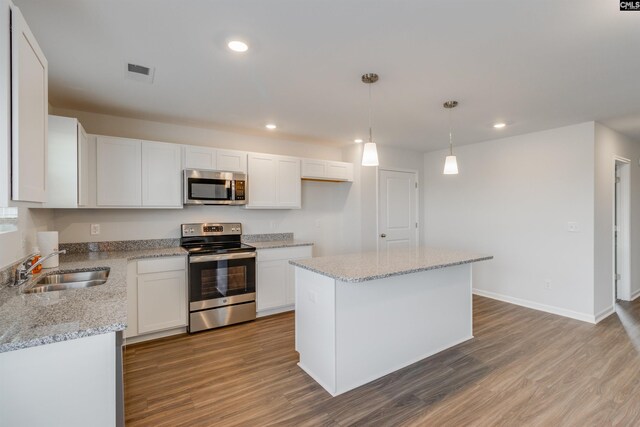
450	136
370	115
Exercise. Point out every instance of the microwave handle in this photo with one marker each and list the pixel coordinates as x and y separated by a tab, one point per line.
221	257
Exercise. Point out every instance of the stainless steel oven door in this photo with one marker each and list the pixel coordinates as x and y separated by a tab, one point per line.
219	280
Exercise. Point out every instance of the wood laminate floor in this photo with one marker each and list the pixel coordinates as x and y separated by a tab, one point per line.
523	367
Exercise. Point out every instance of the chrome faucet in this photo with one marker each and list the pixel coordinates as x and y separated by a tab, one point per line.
23	272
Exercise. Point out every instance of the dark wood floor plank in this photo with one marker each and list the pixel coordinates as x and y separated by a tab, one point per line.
523	367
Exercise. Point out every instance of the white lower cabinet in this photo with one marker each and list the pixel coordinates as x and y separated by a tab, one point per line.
157	297
275	281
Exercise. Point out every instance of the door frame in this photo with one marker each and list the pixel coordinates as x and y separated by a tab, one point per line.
624	232
417	194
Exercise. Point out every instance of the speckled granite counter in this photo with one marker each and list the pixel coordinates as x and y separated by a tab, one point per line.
28	320
273	240
279	244
366	266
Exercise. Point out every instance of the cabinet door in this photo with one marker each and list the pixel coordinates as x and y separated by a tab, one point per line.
340	171
161	174
200	158
119	162
289	184
271	284
314	168
83	167
262	170
162	301
62	163
29	113
233	161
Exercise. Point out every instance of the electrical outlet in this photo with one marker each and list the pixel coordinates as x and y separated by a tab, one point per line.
547	285
95	229
272	224
572	227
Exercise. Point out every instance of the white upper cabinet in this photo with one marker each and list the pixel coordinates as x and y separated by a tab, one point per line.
327	170
84	166
288	183
262	181
161	175
29	111
133	173
207	158
67	164
314	169
200	158
232	161
273	182
119	172
340	171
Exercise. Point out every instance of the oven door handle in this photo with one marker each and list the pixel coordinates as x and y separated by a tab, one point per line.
221	257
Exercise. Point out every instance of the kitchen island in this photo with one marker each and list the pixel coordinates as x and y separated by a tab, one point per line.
362	316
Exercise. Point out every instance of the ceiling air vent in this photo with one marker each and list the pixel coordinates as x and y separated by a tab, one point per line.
139	73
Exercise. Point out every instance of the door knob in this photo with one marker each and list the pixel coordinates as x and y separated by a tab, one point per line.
383	235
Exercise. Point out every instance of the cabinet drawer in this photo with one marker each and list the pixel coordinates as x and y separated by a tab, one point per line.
285	253
161	264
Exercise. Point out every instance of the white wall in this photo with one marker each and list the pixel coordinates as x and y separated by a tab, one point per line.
320	220
513	199
103	124
15	245
609	144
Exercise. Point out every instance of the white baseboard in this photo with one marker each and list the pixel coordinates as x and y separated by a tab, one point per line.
277	310
635	295
604	314
154	335
537	306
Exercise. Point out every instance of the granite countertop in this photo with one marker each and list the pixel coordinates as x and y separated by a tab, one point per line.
28	320
362	267
271	244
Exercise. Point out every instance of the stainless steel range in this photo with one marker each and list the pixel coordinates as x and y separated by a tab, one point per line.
222	275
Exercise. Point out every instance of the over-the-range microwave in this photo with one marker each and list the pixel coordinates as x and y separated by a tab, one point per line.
203	187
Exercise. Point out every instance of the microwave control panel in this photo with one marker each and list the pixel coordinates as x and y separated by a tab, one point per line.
239	190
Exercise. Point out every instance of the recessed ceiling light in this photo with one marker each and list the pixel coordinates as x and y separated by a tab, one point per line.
270	126
499	125
238	46
358	141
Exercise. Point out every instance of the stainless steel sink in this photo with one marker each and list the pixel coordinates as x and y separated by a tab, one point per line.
63	280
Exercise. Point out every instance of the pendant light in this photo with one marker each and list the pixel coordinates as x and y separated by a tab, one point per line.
450	163
370	152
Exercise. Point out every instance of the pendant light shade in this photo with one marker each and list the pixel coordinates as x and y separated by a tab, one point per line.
370	154
450	162
370	151
450	166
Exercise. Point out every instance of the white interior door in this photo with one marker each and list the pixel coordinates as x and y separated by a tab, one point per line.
397	210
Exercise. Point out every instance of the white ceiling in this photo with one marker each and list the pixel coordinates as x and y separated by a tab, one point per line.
534	64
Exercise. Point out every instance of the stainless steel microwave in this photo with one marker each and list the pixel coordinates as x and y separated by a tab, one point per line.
214	188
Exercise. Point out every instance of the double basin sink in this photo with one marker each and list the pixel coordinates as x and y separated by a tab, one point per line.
64	280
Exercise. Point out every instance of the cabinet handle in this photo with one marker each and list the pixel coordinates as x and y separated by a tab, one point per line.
383	235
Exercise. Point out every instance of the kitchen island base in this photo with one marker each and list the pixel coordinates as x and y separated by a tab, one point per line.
348	334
